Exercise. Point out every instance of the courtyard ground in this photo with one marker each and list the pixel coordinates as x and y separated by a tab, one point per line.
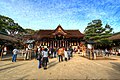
76	68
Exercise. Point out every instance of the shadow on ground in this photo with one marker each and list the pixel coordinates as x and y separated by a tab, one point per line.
116	65
18	59
6	64
22	78
52	64
1	69
99	58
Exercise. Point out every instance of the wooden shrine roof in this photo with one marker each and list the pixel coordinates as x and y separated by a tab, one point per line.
59	30
115	37
7	38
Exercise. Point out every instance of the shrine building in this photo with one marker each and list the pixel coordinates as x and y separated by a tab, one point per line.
58	38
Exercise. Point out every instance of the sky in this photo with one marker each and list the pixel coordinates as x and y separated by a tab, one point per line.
70	14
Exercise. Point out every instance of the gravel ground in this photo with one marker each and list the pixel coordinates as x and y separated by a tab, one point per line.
76	68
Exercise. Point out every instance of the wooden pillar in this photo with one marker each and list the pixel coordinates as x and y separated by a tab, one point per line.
43	43
77	43
40	43
1	56
63	43
67	44
57	43
60	43
48	43
53	44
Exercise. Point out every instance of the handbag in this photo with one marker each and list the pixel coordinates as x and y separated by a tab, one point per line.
4	53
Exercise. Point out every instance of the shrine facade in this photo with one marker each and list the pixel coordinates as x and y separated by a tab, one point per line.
58	38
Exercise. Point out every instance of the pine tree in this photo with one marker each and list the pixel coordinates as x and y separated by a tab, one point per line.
8	26
94	31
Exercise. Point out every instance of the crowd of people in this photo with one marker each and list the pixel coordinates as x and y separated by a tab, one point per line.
63	54
43	55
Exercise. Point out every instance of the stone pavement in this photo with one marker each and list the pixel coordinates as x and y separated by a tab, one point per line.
76	68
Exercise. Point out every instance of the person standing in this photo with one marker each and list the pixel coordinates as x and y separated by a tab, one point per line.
45	58
54	52
39	57
60	52
5	50
65	54
69	53
106	52
15	52
26	54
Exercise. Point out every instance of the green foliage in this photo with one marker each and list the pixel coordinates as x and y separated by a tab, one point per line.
8	25
94	31
29	31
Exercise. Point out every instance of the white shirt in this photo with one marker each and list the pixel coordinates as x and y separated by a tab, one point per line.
15	51
45	53
119	50
69	52
5	48
106	50
38	49
26	49
65	54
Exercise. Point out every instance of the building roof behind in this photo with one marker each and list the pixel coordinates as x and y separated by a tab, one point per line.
50	33
115	37
7	37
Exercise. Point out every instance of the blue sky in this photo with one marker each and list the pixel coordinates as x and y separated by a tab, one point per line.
71	14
